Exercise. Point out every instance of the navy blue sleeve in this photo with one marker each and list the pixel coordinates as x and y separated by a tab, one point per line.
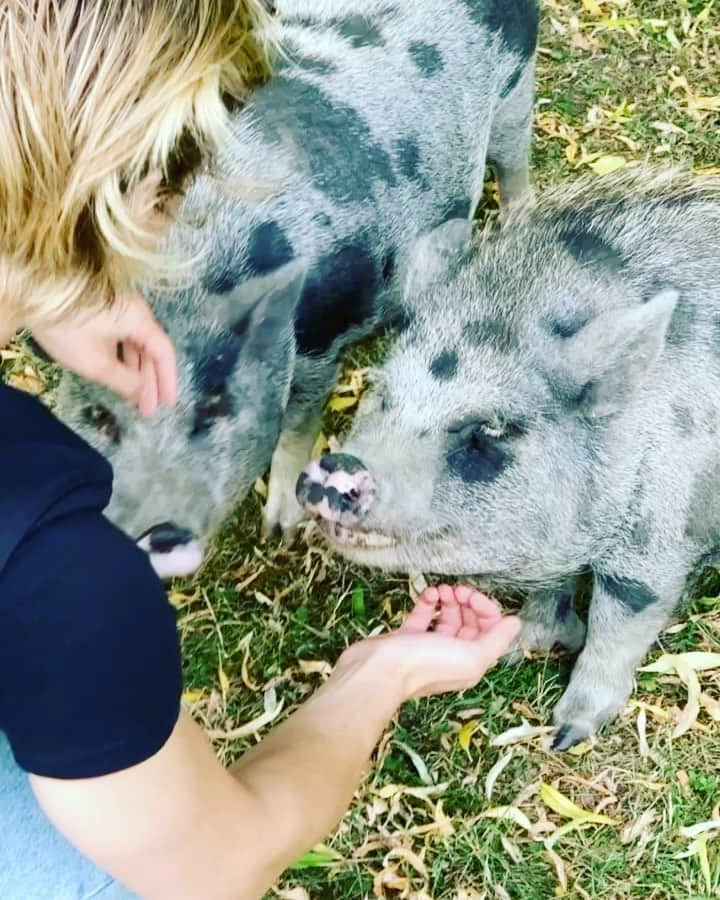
90	672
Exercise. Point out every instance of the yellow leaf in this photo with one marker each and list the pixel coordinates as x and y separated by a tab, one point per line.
320	447
592	7
30	384
466	732
224	681
564	807
340	404
689	715
704	862
508	813
193	696
666	664
582	748
607	164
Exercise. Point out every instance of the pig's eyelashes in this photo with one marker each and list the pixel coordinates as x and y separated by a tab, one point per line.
480	430
102	421
209	411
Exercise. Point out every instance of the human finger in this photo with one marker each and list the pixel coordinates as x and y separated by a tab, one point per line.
469	629
148	402
419	619
162	352
450	620
149	335
119	378
130	355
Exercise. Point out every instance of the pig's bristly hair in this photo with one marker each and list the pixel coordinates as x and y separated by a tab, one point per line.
94	95
644	183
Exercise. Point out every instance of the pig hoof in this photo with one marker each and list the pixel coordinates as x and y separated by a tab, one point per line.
571	733
282	513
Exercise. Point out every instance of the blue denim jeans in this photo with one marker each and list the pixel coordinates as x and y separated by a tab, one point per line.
36	862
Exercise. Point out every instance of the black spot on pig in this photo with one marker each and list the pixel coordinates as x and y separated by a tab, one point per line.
339	501
683	419
217	360
681	330
564	607
388	267
512	82
567	328
445	365
703	522
457	209
407	151
268	249
403	320
315	64
633	595
589	248
642	531
475	457
221	280
339	294
341	462
492	330
360	31
427	57
517	22
345	160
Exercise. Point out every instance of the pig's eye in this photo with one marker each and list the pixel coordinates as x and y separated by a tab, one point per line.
478	451
102	421
208	411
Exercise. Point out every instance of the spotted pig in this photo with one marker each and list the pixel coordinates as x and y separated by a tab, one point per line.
552	410
377	127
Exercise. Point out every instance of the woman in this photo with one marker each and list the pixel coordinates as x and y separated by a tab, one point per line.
106	108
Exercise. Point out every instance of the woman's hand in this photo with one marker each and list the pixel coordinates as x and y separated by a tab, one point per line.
123	347
447	643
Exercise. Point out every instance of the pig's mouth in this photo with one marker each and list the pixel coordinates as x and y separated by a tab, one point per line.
344	536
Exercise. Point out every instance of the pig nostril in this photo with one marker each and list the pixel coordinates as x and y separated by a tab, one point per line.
167	536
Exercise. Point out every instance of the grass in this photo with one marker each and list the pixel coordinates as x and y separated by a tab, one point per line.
618	81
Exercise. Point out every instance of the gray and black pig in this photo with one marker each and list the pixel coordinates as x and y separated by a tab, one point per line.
376	128
552	409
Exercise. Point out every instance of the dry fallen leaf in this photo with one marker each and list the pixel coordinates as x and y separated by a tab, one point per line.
521	734
495	772
510	814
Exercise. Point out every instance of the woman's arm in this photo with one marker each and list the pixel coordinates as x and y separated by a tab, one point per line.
181	826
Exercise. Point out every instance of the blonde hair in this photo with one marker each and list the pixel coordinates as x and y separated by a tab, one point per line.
95	95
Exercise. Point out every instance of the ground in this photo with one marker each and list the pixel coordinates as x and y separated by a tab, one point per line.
460	804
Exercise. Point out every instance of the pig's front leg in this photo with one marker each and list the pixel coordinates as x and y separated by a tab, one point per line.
549	618
626	615
283	513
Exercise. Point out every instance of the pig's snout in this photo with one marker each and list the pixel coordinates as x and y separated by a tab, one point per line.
174	552
336	488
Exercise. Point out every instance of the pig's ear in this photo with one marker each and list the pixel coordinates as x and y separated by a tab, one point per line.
264	305
435	254
611	356
271	324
